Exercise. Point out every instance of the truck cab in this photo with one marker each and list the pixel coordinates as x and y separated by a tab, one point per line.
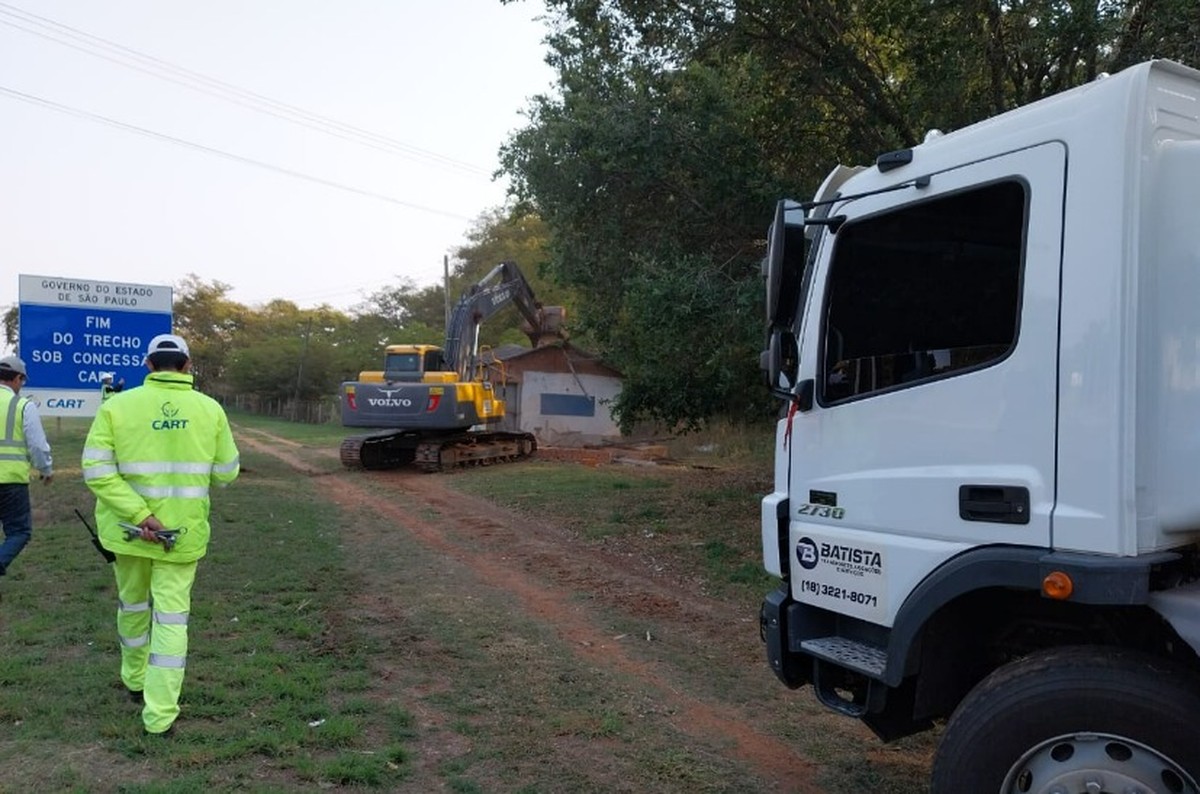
989	353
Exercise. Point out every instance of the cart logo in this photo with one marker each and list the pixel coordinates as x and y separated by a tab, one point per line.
170	412
388	392
807	553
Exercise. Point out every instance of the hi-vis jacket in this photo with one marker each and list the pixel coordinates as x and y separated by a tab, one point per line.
14	460
156	450
23	446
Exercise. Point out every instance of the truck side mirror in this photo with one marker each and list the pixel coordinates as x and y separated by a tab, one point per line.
781	361
783	268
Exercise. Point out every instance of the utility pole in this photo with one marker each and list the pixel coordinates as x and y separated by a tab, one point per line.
300	371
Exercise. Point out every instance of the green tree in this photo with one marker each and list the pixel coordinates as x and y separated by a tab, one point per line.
706	308
676	126
369	334
12	326
405	303
513	234
507	234
403	314
653	183
210	322
290	352
406	313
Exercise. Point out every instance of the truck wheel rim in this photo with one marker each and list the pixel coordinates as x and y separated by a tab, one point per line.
1096	763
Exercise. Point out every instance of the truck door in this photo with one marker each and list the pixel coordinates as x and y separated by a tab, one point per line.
931	338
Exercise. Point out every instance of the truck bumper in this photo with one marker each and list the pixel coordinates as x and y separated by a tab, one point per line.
793	669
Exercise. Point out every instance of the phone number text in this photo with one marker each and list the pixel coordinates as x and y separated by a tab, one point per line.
840	593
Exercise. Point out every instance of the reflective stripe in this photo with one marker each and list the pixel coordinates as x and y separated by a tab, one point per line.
10	421
225	468
7	443
166	468
96	472
97	453
180	492
171	618
141	606
11	457
135	642
162	660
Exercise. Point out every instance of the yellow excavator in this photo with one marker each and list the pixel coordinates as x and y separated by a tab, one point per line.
432	405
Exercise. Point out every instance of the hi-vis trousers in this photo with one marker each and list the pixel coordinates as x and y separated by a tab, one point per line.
154	598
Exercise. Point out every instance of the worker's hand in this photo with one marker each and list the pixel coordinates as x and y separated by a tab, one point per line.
149	526
47	478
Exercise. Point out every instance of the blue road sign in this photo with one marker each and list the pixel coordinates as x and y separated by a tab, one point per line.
74	331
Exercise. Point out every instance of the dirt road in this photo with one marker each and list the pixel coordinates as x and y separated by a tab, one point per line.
698	660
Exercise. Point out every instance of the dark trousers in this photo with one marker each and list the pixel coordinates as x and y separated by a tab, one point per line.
16	519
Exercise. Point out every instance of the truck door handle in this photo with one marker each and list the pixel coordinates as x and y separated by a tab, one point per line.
1000	504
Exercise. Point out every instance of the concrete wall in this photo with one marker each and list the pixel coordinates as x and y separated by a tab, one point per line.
559	430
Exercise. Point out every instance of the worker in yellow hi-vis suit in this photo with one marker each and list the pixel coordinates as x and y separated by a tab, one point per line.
150	457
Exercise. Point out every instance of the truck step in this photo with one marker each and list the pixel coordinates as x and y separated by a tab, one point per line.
861	657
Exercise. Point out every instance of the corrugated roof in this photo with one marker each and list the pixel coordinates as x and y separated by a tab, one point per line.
517	354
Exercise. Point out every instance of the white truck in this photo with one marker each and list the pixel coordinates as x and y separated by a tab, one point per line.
986	507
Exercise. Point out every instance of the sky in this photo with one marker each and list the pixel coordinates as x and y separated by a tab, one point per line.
114	173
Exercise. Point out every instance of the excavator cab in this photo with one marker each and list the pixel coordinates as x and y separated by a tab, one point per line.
408	366
411	364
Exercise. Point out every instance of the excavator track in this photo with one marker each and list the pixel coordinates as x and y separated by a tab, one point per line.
376	451
473	449
393	450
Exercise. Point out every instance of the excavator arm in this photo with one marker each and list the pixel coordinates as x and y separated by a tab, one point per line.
503	285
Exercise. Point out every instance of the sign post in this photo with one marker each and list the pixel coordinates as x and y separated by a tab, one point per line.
74	331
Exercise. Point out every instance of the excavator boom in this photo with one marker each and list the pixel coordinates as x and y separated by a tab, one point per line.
503	285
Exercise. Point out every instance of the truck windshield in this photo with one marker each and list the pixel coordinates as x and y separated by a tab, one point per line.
923	291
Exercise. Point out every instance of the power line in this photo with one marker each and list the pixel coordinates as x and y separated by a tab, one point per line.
306	296
227	91
211	86
35	100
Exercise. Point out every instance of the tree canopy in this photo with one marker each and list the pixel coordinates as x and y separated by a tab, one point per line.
500	234
677	125
279	351
643	186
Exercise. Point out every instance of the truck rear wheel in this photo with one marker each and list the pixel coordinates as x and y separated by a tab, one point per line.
1075	721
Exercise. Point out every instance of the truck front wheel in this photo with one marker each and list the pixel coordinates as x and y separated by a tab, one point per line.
1072	721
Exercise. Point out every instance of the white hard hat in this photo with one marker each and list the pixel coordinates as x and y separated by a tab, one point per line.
13	364
167	343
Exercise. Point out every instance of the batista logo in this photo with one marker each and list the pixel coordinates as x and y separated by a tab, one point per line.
807	553
170	420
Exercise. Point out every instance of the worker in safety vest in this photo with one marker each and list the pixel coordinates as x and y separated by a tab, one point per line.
108	388
150	458
23	449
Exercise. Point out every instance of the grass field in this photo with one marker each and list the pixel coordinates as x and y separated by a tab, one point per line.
697	520
267	702
327	434
319	663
